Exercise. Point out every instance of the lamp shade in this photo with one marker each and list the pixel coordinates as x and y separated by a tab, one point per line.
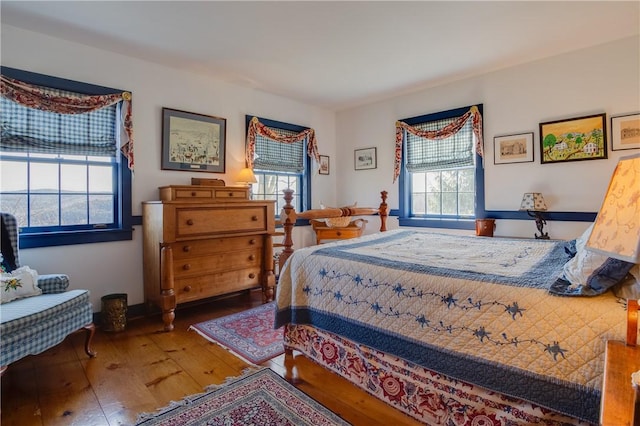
533	201
246	176
616	231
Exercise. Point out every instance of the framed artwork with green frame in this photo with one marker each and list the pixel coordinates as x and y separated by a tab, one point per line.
573	139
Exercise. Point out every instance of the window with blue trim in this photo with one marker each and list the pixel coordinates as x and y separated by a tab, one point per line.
63	176
278	166
441	180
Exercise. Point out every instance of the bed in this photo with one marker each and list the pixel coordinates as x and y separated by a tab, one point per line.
451	329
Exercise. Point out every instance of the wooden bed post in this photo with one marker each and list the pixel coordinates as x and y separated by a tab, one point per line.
288	217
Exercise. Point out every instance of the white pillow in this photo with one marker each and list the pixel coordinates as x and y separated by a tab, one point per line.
629	289
579	268
22	282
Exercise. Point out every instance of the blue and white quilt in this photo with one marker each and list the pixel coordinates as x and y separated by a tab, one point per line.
476	309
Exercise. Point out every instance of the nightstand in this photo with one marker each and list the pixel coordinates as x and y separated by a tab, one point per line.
323	232
621	360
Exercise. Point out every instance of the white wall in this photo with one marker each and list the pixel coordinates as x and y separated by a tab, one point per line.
600	79
116	267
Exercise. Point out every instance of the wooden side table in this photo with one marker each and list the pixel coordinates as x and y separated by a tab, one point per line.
618	396
323	232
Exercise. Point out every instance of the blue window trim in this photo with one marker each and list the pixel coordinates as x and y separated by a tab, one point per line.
124	231
454	223
306	180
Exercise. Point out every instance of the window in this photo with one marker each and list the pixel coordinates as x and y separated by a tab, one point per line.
278	166
441	180
62	175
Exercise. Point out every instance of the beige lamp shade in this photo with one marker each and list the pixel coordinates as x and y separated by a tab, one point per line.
246	176
533	201
616	231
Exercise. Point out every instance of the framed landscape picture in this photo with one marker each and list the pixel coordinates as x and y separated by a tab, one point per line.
625	132
193	142
516	148
365	158
573	139
324	165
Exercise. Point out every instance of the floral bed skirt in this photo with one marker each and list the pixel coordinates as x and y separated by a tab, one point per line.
423	394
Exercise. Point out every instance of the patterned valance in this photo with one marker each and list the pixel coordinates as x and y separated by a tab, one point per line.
45	99
258	128
443	133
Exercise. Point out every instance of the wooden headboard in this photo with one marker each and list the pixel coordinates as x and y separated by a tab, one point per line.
288	217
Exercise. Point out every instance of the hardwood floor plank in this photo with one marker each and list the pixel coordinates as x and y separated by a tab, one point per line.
143	368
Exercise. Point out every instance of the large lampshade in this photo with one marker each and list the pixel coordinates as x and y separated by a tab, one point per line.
616	231
246	176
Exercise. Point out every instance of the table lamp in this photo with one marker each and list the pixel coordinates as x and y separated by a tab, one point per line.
534	204
246	177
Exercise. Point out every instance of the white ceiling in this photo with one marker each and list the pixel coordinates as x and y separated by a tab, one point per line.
329	53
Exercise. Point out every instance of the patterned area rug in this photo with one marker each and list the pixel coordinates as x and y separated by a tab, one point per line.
247	334
256	398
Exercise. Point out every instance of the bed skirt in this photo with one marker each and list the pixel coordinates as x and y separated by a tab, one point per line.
425	395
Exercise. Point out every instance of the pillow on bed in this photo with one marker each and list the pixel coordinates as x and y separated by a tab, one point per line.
629	288
22	282
589	273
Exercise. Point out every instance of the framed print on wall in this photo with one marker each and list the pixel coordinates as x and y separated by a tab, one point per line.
193	142
573	139
324	165
365	158
625	132
516	148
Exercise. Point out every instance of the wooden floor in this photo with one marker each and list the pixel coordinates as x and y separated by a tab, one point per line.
143	368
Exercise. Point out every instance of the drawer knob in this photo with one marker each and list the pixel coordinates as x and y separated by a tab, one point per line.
186	267
338	233
231	194
193	194
252	275
189	222
252	257
187	289
254	218
252	241
186	248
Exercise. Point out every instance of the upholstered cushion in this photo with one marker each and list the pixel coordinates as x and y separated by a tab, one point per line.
20	283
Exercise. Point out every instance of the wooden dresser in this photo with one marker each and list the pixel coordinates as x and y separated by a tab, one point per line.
204	241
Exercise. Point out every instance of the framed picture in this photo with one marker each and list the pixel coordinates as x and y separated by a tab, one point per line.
516	148
574	139
324	165
365	158
193	142
625	132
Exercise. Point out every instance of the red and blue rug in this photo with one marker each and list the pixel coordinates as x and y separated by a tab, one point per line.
255	398
248	334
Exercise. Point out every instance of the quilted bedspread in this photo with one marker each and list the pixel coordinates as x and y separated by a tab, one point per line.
476	309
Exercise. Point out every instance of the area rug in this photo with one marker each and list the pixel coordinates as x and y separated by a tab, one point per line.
256	398
248	334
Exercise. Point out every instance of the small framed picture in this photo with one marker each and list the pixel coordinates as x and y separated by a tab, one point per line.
365	158
625	132
324	165
516	148
573	139
193	142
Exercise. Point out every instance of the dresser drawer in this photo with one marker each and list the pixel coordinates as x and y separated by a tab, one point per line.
198	248
199	193
205	265
201	221
190	289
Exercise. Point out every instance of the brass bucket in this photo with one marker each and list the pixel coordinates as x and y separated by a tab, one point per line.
114	312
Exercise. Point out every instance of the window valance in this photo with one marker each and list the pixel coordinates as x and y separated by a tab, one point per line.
56	101
256	128
445	132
